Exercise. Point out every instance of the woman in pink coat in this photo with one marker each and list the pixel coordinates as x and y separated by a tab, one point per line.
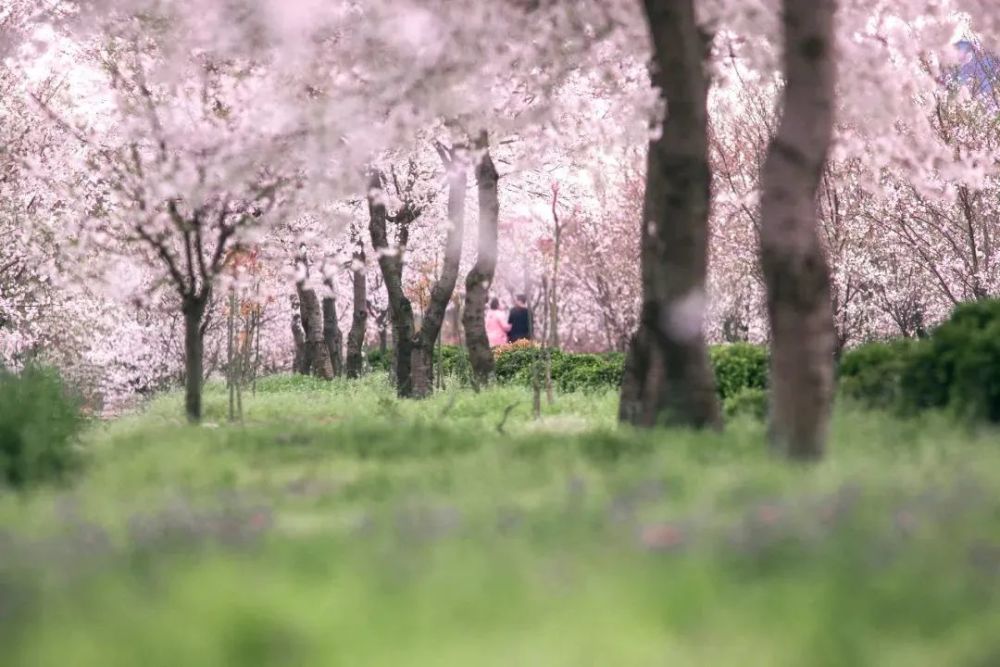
496	324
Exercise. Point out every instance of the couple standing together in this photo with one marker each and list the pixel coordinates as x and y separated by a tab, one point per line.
503	328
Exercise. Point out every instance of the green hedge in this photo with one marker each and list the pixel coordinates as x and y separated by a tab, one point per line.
749	401
871	374
958	366
738	366
455	361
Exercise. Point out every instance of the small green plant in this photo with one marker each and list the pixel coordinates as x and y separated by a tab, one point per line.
39	418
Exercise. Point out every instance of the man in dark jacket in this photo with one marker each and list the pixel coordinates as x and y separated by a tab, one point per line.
519	320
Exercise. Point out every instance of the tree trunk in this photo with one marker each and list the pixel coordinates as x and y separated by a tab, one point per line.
332	336
430	327
299	337
359	320
422	369
317	357
794	265
480	277
675	386
231	379
553	301
390	261
194	311
456	319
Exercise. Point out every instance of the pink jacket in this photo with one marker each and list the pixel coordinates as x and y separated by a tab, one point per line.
497	327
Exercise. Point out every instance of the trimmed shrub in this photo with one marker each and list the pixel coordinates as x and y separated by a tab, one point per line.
39	419
975	393
455	360
377	360
750	401
512	363
587	372
871	374
959	365
738	366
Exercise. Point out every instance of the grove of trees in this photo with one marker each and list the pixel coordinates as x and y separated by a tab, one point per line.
312	180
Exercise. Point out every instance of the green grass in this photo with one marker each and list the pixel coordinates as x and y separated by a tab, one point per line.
339	526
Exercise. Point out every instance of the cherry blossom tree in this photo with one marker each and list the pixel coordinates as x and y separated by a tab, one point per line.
181	170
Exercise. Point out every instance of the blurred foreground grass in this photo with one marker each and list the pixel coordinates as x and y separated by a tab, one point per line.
338	526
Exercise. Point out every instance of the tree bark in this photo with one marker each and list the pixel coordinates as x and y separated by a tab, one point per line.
332	336
317	356
480	277
359	319
193	309
668	379
792	257
422	370
299	338
390	262
383	339
456	318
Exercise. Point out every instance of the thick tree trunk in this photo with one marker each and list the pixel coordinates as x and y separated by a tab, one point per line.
792	257
390	261
194	311
668	379
480	277
332	336
299	338
359	319
422	370
317	357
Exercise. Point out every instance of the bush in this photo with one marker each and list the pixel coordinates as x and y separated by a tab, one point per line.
587	372
959	366
39	418
976	390
738	366
750	401
455	360
378	360
512	363
871	374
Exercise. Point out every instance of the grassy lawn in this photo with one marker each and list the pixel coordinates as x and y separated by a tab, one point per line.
338	526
